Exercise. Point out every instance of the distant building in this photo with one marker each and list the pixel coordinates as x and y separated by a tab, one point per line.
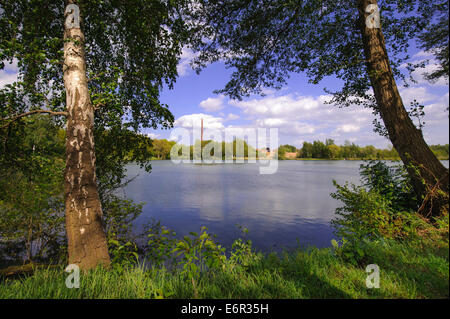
290	155
265	152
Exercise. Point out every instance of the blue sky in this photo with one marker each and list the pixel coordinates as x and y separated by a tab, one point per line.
297	110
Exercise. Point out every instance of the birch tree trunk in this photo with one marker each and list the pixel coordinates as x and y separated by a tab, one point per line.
87	244
405	137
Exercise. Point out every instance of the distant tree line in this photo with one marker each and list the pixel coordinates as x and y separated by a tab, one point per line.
160	149
441	151
329	150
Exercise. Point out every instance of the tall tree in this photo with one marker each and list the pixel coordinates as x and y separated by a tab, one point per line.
266	40
86	237
92	64
405	137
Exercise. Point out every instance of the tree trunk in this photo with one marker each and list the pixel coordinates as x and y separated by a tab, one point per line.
405	137
87	244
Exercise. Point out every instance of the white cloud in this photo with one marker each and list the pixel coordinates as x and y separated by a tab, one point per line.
348	128
213	104
277	106
7	78
272	122
306	118
209	121
421	94
431	65
423	54
9	74
186	57
436	113
231	117
302	128
303	115
153	135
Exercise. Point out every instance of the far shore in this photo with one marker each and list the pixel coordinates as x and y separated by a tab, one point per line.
392	159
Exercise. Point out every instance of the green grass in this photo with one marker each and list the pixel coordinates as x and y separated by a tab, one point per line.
405	272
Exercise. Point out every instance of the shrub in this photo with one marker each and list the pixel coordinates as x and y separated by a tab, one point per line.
382	208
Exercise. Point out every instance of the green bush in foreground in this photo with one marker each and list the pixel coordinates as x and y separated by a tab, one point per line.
383	208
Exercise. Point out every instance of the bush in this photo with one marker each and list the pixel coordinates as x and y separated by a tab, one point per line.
32	212
195	254
383	208
391	182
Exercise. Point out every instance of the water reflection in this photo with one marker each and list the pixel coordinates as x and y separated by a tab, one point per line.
290	207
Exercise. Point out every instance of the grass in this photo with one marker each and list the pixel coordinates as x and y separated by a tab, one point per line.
406	271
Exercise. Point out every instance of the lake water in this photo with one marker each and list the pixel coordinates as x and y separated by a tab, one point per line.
291	207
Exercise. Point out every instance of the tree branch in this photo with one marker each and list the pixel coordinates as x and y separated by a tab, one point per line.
15	118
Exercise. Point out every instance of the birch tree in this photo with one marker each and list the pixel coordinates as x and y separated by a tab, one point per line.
90	64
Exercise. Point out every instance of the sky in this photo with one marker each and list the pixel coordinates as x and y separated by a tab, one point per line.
298	110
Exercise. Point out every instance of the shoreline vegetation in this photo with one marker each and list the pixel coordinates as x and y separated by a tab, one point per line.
393	159
317	150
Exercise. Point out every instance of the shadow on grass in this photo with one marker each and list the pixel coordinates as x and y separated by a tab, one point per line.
271	277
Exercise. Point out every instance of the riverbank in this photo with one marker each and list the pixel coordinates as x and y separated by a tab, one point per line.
405	272
394	159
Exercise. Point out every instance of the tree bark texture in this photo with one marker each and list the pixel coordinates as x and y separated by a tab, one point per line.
87	245
405	137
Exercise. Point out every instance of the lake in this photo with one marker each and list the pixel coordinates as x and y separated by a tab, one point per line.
285	209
